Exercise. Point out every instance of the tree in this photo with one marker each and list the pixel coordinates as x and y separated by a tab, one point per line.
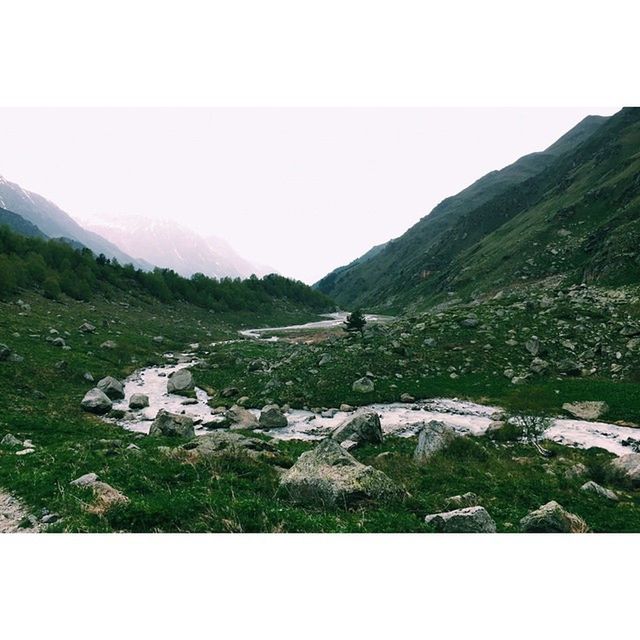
533	429
355	322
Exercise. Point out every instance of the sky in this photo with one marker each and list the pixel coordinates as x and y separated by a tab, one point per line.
302	190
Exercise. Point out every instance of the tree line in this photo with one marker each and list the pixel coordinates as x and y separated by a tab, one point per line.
54	268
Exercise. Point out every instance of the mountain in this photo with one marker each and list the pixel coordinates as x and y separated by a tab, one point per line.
167	244
19	224
55	223
548	213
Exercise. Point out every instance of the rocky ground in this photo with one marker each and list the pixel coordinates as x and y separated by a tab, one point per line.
14	516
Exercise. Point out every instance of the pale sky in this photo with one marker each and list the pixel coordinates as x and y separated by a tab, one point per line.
302	190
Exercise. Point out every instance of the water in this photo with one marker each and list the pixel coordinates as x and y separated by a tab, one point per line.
396	418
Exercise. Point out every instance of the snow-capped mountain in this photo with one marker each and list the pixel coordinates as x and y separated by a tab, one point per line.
56	223
167	244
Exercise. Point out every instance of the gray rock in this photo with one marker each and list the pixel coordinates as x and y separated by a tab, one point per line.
405	397
10	441
577	470
538	365
363	385
552	518
230	392
111	387
224	443
95	401
58	342
108	344
5	352
138	401
180	382
87	327
330	476
628	468
325	359
601	492
470	323
363	427
569	367
533	345
85	480
467	520
158	339
172	425
433	437
271	417
463	501
588	410
241	418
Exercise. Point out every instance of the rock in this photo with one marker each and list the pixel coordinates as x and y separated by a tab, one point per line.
87	376
158	339
405	397
108	344
467	520
328	413
96	401
172	425
433	437
363	427
533	345
58	342
538	365
257	365
138	401
363	385
241	418
230	392
87	327
180	382
10	441
552	518
85	480
346	408
463	501
330	476
588	410
106	497
601	492
5	352
577	470
495	426
25	452
470	323
325	359
50	518
628	468
272	418
569	367
111	387
221	443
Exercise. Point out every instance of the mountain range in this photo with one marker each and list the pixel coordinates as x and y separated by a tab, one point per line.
135	240
571	210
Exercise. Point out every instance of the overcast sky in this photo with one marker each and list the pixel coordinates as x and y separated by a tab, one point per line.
302	190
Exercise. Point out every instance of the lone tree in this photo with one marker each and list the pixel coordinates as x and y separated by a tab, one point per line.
355	322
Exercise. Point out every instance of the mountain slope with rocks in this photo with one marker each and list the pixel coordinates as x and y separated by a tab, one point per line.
549	213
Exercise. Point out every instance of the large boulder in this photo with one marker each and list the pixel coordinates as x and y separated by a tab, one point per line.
240	418
433	437
552	518
628	468
172	425
96	401
111	387
467	520
330	476
588	410
138	401
180	382
363	427
271	417
363	385
227	443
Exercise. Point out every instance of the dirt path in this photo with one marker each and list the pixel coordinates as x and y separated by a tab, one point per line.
12	514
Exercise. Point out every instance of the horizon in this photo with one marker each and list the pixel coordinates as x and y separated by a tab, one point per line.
334	175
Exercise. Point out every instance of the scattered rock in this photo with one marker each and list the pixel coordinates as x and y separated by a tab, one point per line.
230	392
85	480
628	468
96	401
329	475
5	352
602	492
106	497
569	367
58	342
87	327
138	401
271	417
405	397
363	427
111	387
108	344
467	520
10	441
463	501
180	382
433	437
589	410
577	470
172	425
533	345
552	518
229	443
241	418
363	385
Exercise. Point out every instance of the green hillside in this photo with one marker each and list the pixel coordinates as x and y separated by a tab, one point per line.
570	211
